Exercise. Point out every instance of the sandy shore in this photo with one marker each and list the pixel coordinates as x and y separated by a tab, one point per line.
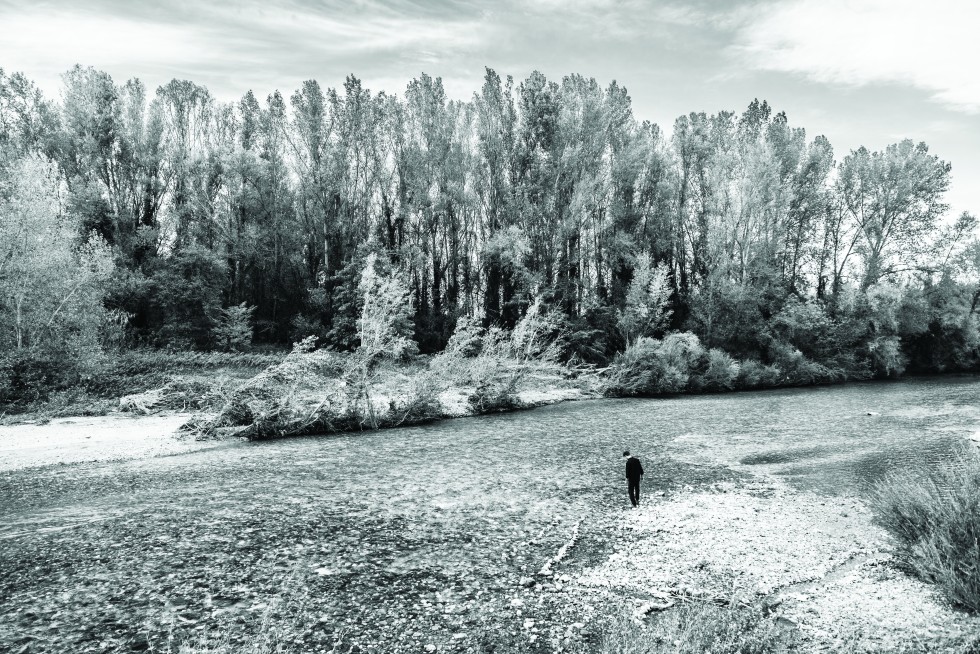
114	437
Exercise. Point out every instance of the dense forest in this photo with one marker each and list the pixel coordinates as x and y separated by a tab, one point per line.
173	220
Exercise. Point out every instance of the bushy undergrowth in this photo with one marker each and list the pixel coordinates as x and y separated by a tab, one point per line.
679	363
322	391
934	518
699	628
31	380
483	360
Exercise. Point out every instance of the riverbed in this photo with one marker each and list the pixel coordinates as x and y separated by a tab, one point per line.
405	538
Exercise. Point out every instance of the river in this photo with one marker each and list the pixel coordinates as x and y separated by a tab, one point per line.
389	520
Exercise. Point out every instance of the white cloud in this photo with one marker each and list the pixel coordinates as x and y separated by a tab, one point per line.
930	45
209	44
46	45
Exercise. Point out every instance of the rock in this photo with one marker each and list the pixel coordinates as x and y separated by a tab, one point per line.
782	622
430	648
527	582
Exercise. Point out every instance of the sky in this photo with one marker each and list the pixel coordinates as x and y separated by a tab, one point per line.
860	72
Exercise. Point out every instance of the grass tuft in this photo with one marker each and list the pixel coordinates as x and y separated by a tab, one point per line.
934	518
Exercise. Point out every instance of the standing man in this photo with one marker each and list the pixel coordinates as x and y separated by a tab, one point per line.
633	473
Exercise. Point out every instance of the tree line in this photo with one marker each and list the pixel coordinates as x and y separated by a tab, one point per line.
172	219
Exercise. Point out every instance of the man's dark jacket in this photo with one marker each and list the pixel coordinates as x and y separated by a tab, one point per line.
633	468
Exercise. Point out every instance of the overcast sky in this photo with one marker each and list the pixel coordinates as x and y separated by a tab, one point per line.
861	72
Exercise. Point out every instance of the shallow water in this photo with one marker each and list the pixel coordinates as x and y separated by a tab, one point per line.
375	525
836	439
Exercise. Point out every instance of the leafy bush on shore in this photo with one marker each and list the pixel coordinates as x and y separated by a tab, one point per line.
642	371
934	519
679	363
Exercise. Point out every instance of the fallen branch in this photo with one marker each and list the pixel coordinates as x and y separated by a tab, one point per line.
665	599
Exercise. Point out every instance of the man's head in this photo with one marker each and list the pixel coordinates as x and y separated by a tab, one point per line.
626	453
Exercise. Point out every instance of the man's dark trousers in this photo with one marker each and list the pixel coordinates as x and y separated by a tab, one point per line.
634	472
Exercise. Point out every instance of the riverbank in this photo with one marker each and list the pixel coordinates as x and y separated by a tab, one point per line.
820	567
125	435
495	532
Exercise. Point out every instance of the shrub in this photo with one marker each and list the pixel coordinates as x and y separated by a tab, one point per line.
28	376
495	394
721	373
385	327
184	297
753	374
797	369
886	356
644	370
652	367
419	404
302	326
592	339
467	338
233	329
539	334
934	519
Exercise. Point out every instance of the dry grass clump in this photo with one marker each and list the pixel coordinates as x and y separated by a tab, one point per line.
934	518
698	627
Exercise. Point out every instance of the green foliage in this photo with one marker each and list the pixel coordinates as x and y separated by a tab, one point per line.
934	519
494	372
384	328
347	304
721	373
30	380
28	377
753	375
303	326
796	370
51	287
649	367
184	297
592	339
892	231
679	363
727	314
539	333
646	310
233	329
736	228
467	339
